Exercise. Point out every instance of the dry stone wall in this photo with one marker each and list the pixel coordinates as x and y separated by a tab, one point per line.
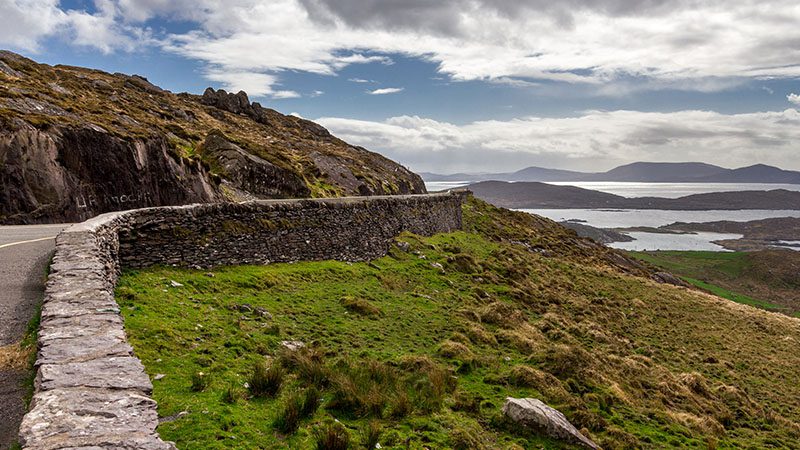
91	392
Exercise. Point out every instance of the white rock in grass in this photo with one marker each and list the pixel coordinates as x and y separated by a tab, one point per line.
534	414
292	345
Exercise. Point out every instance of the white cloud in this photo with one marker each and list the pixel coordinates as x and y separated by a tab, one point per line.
285	94
255	84
592	141
24	23
706	46
793	98
359	80
682	44
385	91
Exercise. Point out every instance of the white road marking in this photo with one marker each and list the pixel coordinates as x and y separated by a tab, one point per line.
27	242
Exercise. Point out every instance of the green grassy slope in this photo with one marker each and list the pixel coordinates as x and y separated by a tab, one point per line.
766	279
421	347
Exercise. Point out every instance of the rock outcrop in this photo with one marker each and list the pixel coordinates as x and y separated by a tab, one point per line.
71	174
77	142
533	414
249	173
236	103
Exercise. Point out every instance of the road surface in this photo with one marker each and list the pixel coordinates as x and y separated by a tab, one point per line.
24	253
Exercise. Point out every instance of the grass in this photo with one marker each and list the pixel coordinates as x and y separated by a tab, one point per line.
731	264
630	362
724	293
763	279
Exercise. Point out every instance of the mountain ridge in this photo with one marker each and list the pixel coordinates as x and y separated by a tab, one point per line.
652	172
537	195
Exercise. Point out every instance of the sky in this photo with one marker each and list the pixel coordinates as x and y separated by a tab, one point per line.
467	85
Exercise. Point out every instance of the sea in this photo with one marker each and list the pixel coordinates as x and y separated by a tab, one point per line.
625	218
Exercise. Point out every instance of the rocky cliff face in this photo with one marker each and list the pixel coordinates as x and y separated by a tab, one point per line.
77	142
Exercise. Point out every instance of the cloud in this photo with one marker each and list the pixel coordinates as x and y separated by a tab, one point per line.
617	46
255	84
385	91
25	23
660	44
359	80
793	98
594	140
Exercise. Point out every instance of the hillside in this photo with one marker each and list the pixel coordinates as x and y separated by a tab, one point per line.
76	142
420	348
768	279
646	172
535	195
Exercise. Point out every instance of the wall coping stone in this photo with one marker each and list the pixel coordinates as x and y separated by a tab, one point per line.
91	391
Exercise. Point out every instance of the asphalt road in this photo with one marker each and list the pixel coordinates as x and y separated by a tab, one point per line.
24	253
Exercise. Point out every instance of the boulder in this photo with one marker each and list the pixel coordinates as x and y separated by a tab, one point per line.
535	415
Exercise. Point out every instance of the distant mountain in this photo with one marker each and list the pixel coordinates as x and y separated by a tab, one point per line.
659	172
643	172
756	173
535	195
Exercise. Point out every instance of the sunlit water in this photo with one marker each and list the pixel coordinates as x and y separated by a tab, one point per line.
626	218
673	190
655	241
630	189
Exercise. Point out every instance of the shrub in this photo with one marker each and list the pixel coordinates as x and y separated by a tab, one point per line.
332	436
200	381
266	380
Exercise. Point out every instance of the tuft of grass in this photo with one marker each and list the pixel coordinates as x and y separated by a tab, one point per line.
372	434
232	394
332	436
15	356
309	365
288	419
266	380
200	381
360	306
